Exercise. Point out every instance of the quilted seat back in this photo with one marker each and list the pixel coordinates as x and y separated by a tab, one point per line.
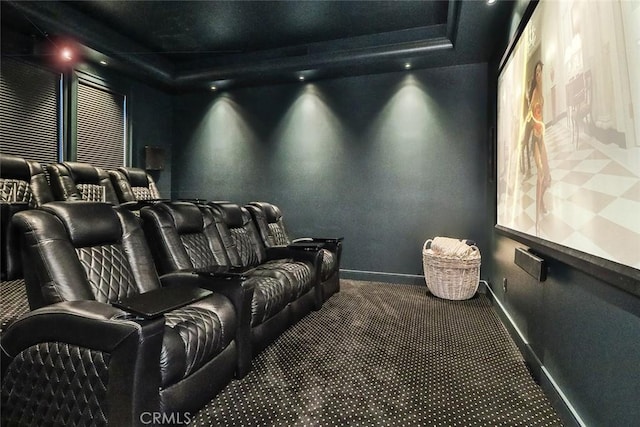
183	236
268	219
81	181
84	251
133	184
239	235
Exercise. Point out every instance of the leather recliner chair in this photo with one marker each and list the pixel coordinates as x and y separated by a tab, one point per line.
133	184
269	221
81	181
185	236
84	258
23	185
299	263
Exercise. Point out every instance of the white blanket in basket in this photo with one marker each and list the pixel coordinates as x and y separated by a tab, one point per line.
450	247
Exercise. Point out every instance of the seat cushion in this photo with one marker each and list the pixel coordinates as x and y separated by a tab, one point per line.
298	273
270	296
195	334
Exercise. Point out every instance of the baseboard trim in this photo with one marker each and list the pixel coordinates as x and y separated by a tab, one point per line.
558	399
379	276
396	278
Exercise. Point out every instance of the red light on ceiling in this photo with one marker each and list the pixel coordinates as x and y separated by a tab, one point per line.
66	54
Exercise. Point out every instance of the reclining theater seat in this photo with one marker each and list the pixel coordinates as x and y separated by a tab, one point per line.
95	254
299	265
23	185
268	220
81	181
133	184
185	236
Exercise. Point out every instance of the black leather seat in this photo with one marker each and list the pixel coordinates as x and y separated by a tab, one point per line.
133	184
84	257
269	221
23	185
187	237
81	181
300	265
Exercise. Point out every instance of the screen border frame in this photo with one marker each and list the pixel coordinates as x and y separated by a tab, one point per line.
619	275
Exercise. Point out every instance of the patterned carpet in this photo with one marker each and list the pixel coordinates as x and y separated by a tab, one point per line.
387	355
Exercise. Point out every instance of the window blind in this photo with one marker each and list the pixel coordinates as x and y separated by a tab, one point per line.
100	127
29	115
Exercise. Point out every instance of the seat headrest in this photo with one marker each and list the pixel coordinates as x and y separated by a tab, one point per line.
186	217
88	223
272	213
231	214
14	167
83	173
136	177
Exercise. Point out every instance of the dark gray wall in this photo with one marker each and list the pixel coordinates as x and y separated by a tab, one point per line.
585	332
386	161
151	124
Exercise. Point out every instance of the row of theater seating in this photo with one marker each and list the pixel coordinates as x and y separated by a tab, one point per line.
151	311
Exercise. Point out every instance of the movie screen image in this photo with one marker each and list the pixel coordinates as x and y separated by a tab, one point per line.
568	136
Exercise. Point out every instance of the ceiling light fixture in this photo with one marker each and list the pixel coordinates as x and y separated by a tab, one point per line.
213	88
103	62
407	65
301	78
66	54
490	2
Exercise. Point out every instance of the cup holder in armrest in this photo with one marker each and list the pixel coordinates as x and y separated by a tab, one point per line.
159	301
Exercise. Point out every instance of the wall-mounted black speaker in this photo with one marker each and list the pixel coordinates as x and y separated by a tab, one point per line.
532	264
153	158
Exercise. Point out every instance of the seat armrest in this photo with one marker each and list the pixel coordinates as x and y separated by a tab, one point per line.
298	252
157	302
306	246
136	205
90	324
330	243
211	279
320	239
133	348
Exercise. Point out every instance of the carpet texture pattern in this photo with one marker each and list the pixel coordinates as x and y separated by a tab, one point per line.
387	355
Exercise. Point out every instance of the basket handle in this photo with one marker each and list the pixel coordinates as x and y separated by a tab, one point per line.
428	242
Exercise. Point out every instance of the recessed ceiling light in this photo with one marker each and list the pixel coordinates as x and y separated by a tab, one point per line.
213	88
301	78
103	62
490	2
407	65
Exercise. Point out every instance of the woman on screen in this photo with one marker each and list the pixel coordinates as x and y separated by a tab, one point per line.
536	124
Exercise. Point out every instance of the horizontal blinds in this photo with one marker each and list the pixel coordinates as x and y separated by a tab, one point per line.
100	127
29	111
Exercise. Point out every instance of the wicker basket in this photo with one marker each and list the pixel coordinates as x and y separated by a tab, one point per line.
451	277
